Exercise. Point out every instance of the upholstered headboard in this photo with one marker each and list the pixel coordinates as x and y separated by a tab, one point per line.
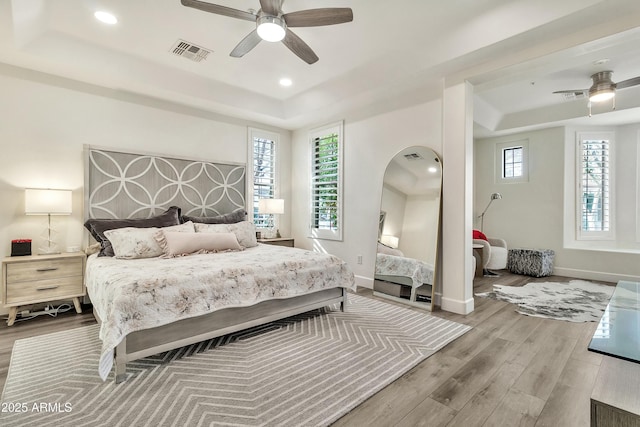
131	185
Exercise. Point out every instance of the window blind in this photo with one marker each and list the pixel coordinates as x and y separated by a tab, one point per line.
325	182
594	185
264	178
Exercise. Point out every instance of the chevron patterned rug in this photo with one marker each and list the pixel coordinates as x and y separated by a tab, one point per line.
307	370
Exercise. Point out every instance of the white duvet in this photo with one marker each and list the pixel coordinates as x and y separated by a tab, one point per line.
137	294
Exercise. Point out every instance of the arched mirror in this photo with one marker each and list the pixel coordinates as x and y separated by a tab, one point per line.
408	230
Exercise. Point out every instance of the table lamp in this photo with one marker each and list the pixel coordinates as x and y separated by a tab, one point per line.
47	202
271	207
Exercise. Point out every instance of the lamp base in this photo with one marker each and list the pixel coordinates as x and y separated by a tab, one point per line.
47	251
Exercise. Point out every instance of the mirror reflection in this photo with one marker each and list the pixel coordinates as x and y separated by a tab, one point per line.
408	228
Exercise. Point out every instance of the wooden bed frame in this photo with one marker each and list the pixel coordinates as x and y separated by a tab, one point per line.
147	342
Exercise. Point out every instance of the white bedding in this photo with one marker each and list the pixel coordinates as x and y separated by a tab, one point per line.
137	294
420	272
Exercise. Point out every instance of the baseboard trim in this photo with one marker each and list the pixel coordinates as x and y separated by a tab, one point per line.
365	282
593	275
457	306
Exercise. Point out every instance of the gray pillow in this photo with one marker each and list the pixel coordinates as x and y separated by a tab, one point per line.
97	227
238	215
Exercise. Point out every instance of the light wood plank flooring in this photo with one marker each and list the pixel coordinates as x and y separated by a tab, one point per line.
509	370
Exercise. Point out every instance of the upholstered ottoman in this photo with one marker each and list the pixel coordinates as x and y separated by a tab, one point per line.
531	262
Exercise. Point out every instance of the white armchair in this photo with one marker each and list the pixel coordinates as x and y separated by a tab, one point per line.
494	253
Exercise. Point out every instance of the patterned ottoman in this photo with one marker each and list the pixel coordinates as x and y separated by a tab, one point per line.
531	262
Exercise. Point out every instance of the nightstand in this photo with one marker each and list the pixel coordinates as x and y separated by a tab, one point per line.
34	279
278	241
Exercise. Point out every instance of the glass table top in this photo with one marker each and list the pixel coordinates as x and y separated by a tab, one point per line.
618	333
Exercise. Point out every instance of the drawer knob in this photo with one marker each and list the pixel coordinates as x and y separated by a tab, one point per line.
47	288
47	269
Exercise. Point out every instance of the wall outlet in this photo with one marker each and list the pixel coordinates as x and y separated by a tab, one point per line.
359	259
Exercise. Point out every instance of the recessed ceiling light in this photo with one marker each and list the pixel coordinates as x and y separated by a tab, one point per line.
285	81
106	17
432	169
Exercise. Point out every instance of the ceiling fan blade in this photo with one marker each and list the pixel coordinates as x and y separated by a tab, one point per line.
246	44
271	7
628	83
318	17
219	10
300	48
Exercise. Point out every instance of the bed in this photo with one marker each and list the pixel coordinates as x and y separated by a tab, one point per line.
148	304
403	277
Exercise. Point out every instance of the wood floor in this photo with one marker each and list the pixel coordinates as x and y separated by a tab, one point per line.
509	370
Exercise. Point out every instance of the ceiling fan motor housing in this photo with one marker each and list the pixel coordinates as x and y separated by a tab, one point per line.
603	88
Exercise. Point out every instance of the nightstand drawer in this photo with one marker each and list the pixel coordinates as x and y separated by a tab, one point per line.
42	270
43	290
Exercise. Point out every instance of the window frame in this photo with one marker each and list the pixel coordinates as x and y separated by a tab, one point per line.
586	235
320	132
499	161
254	133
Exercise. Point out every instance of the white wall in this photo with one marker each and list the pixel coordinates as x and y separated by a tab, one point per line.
531	214
369	145
393	203
46	121
420	229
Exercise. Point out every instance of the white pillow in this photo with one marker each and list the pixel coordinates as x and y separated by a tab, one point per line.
180	244
245	231
384	249
134	243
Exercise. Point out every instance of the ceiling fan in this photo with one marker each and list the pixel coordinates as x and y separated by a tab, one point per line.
603	88
273	25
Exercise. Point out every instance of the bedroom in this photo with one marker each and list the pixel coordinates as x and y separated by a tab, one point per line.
48	114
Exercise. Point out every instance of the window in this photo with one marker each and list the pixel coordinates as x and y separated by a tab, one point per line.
513	162
326	182
263	154
594	192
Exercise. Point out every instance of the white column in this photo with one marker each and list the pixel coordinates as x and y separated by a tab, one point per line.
457	198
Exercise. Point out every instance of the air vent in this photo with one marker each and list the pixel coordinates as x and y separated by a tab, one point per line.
190	51
413	156
572	96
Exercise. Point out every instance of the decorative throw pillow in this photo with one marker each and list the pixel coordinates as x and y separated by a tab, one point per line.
477	234
134	243
175	244
245	231
211	228
97	227
230	218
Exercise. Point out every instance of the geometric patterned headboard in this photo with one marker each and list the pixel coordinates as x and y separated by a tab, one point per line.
127	185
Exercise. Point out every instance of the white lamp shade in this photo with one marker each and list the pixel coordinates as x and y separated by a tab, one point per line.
271	206
389	240
46	201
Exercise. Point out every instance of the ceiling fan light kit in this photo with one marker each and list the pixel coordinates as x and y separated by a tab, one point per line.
271	28
273	25
603	88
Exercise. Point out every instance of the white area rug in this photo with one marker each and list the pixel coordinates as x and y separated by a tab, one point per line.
307	370
576	301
